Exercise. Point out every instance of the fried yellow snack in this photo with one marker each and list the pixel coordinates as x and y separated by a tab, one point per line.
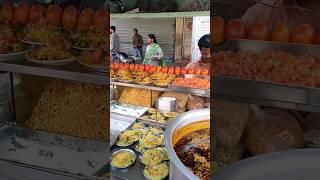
152	156
157	172
151	140
165	153
139	97
156	130
130	136
122	159
138	126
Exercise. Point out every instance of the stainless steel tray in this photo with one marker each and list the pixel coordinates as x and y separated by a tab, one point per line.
267	93
135	171
193	91
196	92
14	171
196	76
258	46
151	122
52	151
73	72
127	109
118	123
15	56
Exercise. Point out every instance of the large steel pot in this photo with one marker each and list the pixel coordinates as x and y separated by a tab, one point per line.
177	169
295	164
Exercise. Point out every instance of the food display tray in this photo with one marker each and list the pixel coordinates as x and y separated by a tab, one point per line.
135	171
73	71
14	56
196	76
15	171
151	122
119	124
53	151
192	91
267	93
127	110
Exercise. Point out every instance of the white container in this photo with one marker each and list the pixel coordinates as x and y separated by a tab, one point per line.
167	104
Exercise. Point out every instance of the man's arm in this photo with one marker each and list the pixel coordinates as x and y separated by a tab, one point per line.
111	42
140	41
133	41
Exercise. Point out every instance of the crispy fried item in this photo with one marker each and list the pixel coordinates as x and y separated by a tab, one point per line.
89	39
74	109
157	117
152	156
98	58
165	82
112	73
156	130
123	143
139	148
49	53
124	72
160	171
138	126
192	83
123	159
130	136
8	46
159	76
151	140
152	110
165	153
139	97
7	31
40	32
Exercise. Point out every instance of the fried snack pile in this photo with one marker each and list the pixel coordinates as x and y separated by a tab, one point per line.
274	66
40	32
139	97
72	109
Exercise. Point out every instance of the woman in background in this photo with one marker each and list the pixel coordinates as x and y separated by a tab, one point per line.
154	54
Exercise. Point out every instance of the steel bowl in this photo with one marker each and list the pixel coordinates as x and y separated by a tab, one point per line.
125	150
177	169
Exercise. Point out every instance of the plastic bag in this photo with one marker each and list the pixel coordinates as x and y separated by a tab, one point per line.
231	120
195	102
271	12
230	155
181	100
271	130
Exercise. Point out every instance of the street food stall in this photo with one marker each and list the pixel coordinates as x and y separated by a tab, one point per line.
53	63
159	113
265	88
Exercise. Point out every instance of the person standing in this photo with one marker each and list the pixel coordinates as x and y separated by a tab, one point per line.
114	42
154	54
137	44
204	62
